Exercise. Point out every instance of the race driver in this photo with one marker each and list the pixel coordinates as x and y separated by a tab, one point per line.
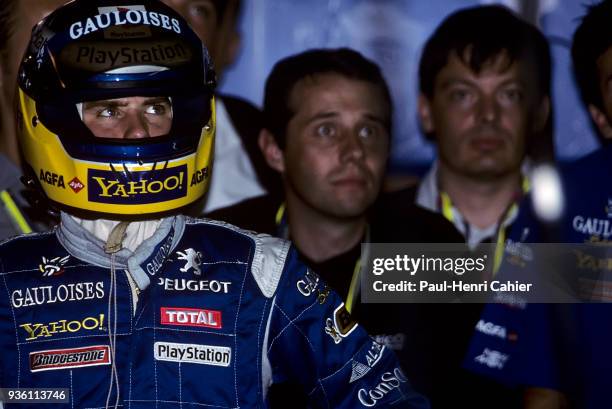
127	303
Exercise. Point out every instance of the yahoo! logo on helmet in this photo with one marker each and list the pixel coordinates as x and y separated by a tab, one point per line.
137	187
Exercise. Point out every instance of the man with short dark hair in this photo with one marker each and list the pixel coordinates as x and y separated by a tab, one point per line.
484	84
327	122
327	129
484	79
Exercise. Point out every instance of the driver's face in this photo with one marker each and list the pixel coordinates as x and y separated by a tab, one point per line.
128	118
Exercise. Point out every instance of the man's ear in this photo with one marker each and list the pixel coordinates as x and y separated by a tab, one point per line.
601	120
273	154
425	116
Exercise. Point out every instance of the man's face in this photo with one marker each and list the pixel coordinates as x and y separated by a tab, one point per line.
218	33
128	118
480	122
336	144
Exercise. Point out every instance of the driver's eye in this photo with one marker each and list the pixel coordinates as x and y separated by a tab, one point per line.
108	112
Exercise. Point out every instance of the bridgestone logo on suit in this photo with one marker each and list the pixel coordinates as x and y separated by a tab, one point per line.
69	358
193	353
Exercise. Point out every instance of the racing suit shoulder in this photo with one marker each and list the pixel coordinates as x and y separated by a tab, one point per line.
27	237
269	253
312	340
16	252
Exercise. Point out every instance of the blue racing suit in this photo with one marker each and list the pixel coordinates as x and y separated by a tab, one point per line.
200	315
566	347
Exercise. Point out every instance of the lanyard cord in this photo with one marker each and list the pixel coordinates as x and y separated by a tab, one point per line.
14	213
282	229
355	285
446	208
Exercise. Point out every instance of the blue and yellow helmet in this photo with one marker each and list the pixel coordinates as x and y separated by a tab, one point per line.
91	50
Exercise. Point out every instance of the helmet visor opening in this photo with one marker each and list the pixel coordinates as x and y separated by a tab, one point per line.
128	117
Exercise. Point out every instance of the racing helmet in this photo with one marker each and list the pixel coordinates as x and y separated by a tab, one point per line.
91	50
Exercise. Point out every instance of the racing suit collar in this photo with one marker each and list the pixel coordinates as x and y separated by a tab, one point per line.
136	233
146	259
